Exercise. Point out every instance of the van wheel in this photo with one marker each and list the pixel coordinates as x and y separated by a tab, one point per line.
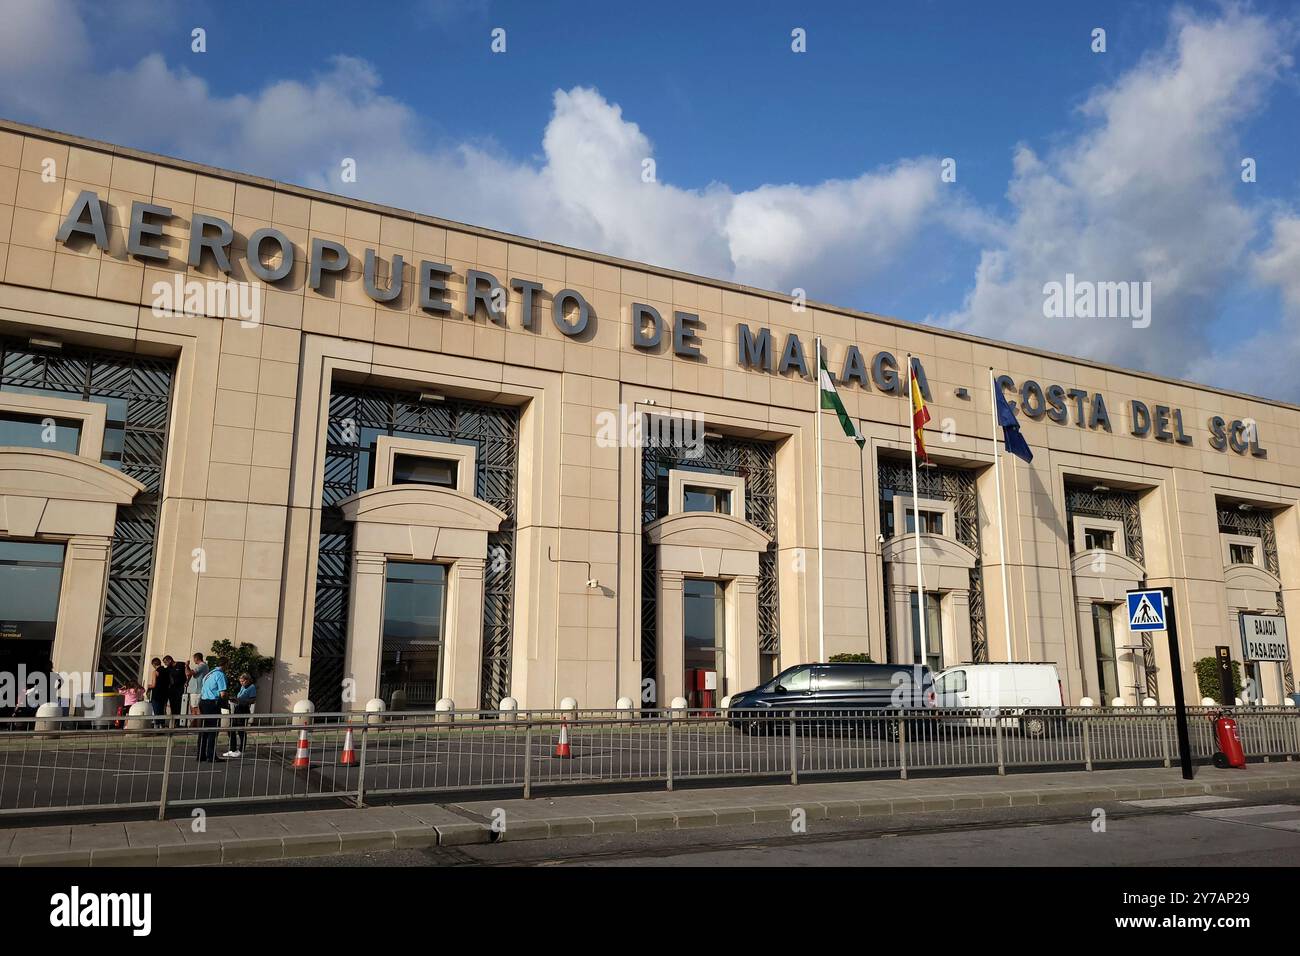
1033	725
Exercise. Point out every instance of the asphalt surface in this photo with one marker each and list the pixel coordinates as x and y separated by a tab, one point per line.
117	769
1261	830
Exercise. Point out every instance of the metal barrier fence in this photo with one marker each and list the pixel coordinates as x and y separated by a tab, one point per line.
58	764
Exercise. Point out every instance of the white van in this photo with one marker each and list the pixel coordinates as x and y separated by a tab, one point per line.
1021	690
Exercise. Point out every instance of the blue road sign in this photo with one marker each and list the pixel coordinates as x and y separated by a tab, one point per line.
1146	610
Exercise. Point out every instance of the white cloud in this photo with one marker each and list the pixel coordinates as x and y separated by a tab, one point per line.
1263	361
585	190
1147	191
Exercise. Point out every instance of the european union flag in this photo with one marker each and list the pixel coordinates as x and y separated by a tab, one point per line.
1014	441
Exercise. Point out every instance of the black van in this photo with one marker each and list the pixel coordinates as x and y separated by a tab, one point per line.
831	692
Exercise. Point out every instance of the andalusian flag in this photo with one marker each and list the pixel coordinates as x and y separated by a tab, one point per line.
920	415
831	399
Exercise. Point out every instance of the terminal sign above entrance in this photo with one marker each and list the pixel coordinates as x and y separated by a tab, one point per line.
270	257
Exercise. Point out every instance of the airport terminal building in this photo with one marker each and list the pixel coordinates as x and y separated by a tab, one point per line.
405	456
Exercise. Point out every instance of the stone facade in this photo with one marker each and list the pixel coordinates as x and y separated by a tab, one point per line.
241	506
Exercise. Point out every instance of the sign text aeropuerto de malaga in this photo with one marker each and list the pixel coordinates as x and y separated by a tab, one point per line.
574	317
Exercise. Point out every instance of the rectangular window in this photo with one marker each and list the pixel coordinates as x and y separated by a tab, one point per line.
931	522
1241	553
1107	669
704	634
709	500
419	470
37	431
31	573
933	631
414	599
1098	539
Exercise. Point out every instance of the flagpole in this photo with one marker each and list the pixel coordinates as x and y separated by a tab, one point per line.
821	554
1002	534
916	519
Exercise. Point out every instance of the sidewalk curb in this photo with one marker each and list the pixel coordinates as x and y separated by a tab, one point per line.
249	849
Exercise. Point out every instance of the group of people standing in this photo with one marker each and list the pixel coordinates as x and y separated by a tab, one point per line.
199	689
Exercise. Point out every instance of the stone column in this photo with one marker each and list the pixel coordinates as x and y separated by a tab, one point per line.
957	638
81	607
901	618
463	641
365	628
1089	675
742	633
672	638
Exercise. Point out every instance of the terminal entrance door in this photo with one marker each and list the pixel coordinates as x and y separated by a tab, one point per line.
704	633
30	575
414	601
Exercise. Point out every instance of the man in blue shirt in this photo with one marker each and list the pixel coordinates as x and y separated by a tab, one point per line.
243	704
211	693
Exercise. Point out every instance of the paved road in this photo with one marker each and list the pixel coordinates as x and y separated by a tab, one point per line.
1176	832
118	768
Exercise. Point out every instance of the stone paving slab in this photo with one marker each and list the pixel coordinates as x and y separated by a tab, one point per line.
270	836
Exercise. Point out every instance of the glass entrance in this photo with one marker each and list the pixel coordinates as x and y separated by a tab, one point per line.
704	633
933	632
1103	629
31	573
414	599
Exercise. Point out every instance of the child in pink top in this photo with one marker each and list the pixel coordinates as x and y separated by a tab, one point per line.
132	694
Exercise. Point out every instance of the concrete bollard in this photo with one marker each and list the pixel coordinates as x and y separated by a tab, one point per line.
509	709
1148	702
1237	702
569	705
1117	702
1208	701
678	707
1086	702
1288	702
302	711
374	712
47	717
623	703
725	703
446	708
139	716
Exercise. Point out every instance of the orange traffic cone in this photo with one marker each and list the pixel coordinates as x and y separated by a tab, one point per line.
349	755
562	748
301	759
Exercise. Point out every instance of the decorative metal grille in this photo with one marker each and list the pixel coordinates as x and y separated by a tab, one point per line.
755	461
1255	523
357	414
942	484
136	389
1114	505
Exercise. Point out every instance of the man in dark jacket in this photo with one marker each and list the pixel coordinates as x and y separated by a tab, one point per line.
176	687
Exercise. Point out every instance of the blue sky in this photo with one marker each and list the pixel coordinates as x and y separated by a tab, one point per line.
817	169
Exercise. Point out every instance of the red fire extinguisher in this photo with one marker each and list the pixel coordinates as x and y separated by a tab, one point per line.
1229	753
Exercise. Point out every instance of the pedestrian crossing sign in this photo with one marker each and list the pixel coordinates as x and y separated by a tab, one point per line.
1146	610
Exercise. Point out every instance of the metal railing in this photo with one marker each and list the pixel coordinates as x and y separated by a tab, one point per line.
72	764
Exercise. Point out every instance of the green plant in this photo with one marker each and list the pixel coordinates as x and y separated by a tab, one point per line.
241	659
851	659
1207	677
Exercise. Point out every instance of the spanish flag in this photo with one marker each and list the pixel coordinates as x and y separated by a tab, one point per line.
920	414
